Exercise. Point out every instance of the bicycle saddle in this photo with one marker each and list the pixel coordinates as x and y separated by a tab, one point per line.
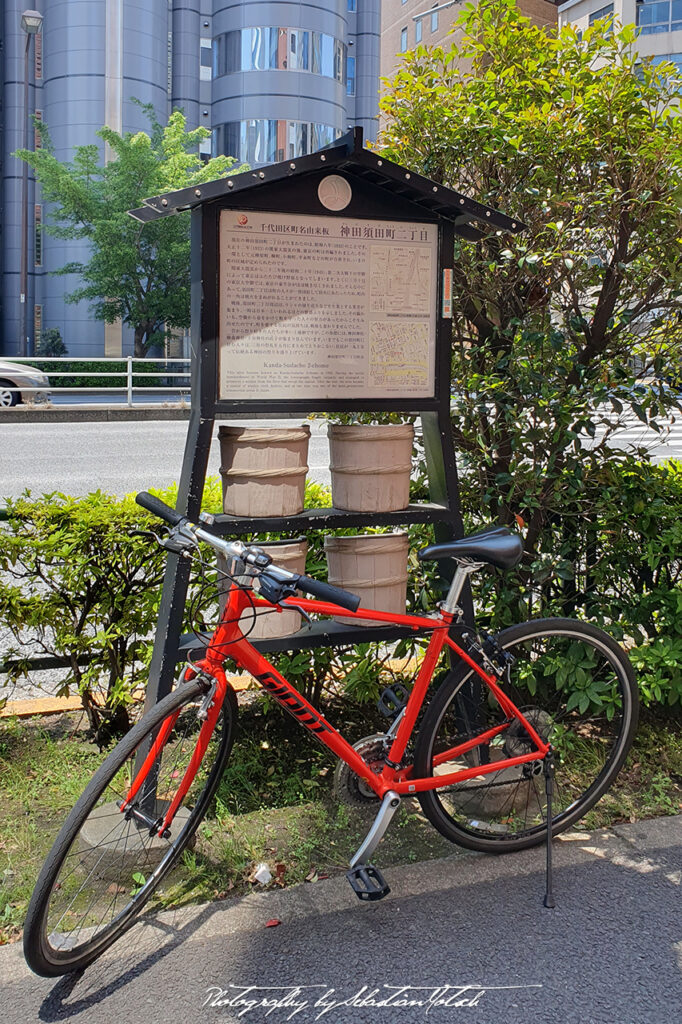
496	545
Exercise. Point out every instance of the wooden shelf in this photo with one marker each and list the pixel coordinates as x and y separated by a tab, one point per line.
323	633
331	518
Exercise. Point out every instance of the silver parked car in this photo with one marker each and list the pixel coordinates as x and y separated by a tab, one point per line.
21	376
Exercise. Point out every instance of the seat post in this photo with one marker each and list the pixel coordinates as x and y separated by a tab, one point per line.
463	570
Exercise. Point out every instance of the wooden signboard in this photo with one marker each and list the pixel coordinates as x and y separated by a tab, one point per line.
319	307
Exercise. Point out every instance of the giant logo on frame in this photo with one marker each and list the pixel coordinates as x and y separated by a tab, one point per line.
285	695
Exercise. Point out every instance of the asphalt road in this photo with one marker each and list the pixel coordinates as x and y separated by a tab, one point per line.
118	458
460	939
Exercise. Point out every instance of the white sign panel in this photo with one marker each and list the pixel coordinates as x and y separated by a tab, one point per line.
326	307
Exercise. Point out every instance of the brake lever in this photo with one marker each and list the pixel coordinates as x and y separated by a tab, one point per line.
178	544
305	616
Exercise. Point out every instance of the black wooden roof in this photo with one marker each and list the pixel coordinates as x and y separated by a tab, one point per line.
349	155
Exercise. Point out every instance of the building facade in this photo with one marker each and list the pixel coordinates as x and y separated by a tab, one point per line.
406	23
272	80
659	23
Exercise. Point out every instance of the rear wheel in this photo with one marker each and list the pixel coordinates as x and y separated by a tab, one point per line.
576	687
105	864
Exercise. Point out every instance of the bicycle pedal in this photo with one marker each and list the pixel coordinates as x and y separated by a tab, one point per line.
367	882
393	699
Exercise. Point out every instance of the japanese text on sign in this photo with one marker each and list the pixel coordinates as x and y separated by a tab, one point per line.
326	307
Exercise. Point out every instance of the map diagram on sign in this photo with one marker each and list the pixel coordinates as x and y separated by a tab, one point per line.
399	355
400	276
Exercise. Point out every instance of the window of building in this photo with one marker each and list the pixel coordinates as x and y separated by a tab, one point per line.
284	49
674	80
676	16
434	19
299	45
169	66
418	31
655	16
603	12
323	50
37	137
403	39
38	55
266	141
205	60
350	76
339	61
38	235
353	6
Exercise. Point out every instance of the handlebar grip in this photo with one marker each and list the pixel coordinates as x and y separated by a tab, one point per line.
325	592
159	508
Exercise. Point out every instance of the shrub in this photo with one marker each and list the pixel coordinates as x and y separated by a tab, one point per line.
575	136
51	343
77	582
612	557
90	374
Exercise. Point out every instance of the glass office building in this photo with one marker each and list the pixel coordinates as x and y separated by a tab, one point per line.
271	80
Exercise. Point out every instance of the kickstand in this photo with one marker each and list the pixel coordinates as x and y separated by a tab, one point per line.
548	766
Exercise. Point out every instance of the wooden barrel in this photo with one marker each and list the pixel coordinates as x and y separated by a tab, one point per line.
263	469
370	466
374	567
291	555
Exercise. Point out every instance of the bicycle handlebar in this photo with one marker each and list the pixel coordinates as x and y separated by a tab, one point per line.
326	592
159	508
255	557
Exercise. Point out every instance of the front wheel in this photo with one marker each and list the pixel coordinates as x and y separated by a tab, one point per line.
576	687
8	397
104	864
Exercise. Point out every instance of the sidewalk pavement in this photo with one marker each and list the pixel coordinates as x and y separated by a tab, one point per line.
462	938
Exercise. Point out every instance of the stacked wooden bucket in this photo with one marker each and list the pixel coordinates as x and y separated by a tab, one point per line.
263	473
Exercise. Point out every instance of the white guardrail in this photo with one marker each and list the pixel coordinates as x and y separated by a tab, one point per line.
171	378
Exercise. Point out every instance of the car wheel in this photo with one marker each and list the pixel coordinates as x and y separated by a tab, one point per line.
7	398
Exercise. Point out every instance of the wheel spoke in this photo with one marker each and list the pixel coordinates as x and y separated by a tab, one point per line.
104	874
507	808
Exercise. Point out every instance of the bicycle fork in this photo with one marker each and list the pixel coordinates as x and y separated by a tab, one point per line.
209	711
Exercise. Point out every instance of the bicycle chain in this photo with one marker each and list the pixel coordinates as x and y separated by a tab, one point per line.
457	786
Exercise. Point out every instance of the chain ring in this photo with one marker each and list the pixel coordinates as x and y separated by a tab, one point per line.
349	788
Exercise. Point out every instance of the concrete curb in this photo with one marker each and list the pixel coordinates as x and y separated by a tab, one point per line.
38	706
92	414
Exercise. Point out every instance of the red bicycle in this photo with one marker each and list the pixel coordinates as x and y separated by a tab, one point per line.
527	727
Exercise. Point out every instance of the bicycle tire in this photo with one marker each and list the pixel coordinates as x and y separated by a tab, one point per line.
487	813
104	869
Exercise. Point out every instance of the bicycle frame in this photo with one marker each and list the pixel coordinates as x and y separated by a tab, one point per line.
228	640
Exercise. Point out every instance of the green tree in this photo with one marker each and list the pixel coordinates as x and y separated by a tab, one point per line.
137	273
561	328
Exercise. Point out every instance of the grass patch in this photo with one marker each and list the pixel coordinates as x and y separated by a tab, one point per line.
274	805
43	771
650	783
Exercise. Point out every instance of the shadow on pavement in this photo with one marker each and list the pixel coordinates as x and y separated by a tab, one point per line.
610	953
